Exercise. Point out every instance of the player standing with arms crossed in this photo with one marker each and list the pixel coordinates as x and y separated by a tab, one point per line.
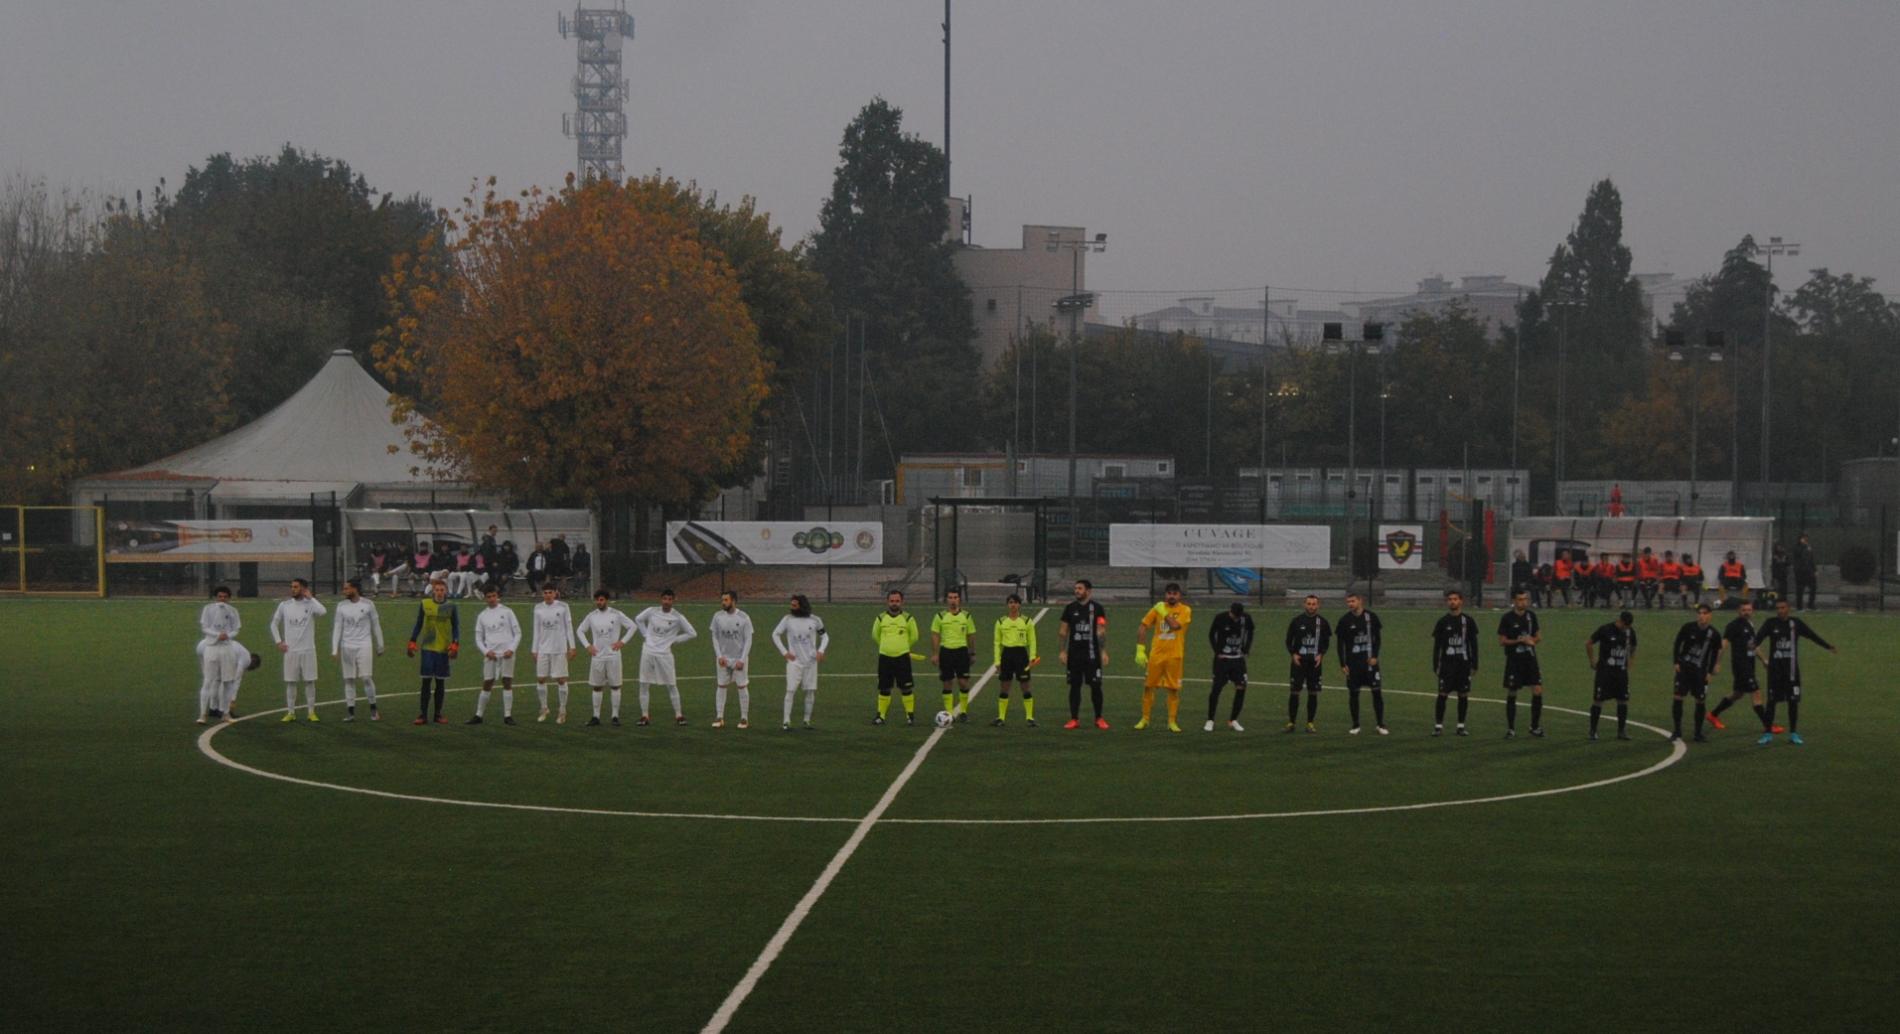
497	637
356	640
1084	634
950	633
553	648
1454	659
1308	638
731	630
660	627
1014	654
1359	631
294	628
603	632
1168	621
1781	637
1231	636
802	640
1519	633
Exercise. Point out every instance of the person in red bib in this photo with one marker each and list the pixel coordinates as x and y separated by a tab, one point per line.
1691	581
1563	573
1671	577
1626	581
1732	576
1648	575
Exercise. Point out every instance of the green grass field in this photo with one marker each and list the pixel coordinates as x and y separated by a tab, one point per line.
153	888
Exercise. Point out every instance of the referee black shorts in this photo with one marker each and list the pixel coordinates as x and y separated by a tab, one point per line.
894	673
953	662
1014	666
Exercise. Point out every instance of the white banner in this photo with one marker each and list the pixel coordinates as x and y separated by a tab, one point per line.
184	542
774	542
1220	545
1401	547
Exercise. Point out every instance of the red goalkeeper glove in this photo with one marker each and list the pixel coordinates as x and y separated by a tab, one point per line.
412	647
454	649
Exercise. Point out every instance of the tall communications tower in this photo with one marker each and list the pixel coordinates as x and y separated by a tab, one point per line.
599	122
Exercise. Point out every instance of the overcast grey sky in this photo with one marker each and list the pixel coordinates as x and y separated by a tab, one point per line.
1315	143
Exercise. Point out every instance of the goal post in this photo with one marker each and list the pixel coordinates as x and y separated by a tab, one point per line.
53	550
989	547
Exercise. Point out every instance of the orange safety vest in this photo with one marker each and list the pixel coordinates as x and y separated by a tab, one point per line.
1732	570
1692	572
1650	567
1562	569
1626	571
1671	571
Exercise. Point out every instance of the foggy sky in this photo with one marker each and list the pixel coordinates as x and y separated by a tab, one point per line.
1312	143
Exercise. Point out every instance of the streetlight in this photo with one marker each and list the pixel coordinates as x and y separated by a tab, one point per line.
1768	251
1565	302
1370	334
1076	301
1679	352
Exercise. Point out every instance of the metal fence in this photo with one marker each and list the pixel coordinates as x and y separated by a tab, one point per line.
53	550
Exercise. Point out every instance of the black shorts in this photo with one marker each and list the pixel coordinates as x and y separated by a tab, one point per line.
1672	585
1454	680
1611	684
1783	686
1084	668
1014	667
1734	583
953	662
1744	682
1304	677
1691	682
1363	676
1521	670
894	673
1230	669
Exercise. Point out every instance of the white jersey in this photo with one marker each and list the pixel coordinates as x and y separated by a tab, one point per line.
553	627
804	638
218	619
497	631
355	627
661	629
604	628
731	634
295	624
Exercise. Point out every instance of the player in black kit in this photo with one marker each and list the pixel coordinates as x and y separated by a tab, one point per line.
1454	659
1519	633
1781	636
1084	633
1232	638
1698	659
1741	637
1359	634
1308	637
1618	639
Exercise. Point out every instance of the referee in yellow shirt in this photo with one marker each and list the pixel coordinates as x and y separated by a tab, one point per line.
1015	654
950	634
1168	622
895	632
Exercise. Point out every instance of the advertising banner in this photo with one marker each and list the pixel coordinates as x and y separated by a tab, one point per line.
185	542
774	542
1401	547
1220	545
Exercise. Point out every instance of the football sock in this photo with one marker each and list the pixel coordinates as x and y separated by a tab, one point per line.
1029	706
1240	697
1762	714
719	703
1378	708
1292	707
204	699
645	707
1537	710
349	693
1312	706
790	692
1075	701
1596	712
425	698
481	702
1722	705
745	704
1439	712
963	700
290	697
1095	697
1675	714
541	694
1701	715
1794	714
1510	711
616	699
811	698
507	701
563	687
1147	702
1464	705
949	701
310	695
1174	707
883	704
673	694
1213	702
1002	704
1622	718
441	688
1768	717
230	695
597	695
1352	706
910	702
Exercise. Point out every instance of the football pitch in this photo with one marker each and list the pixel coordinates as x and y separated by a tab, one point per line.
380	876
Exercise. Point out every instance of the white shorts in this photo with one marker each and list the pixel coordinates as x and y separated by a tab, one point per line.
741	677
656	669
357	662
498	667
221	662
800	675
605	670
551	665
300	666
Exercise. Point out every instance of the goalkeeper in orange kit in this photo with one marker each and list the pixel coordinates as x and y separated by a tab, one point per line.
1167	624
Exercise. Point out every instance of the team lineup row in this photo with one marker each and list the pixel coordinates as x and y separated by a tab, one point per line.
801	639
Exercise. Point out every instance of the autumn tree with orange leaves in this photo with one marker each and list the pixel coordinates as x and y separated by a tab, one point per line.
573	348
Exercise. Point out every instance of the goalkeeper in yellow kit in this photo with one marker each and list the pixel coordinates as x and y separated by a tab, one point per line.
1167	622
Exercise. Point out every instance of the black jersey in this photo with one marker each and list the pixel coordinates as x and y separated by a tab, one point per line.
1783	636
1230	636
1513	625
1742	638
1088	623
1358	638
1455	643
1618	645
1308	637
1698	646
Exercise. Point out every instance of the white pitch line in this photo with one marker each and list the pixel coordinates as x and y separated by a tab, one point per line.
773	947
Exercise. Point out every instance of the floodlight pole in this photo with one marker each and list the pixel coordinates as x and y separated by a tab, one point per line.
1074	303
1768	251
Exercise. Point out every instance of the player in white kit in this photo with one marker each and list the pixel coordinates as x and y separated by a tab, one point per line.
802	640
356	640
497	637
661	627
732	647
553	647
220	658
604	631
247	661
294	629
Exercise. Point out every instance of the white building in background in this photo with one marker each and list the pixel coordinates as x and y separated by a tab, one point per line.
922	476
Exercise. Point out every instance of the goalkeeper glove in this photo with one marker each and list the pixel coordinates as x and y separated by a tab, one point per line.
1141	653
454	649
412	647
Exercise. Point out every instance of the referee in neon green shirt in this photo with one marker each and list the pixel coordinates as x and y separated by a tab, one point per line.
1015	654
895	632
950	634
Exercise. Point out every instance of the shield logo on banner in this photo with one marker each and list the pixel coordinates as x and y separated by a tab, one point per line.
1399	545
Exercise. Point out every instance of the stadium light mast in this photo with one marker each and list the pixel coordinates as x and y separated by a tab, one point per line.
1680	352
1566	302
1768	251
599	121
1076	301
